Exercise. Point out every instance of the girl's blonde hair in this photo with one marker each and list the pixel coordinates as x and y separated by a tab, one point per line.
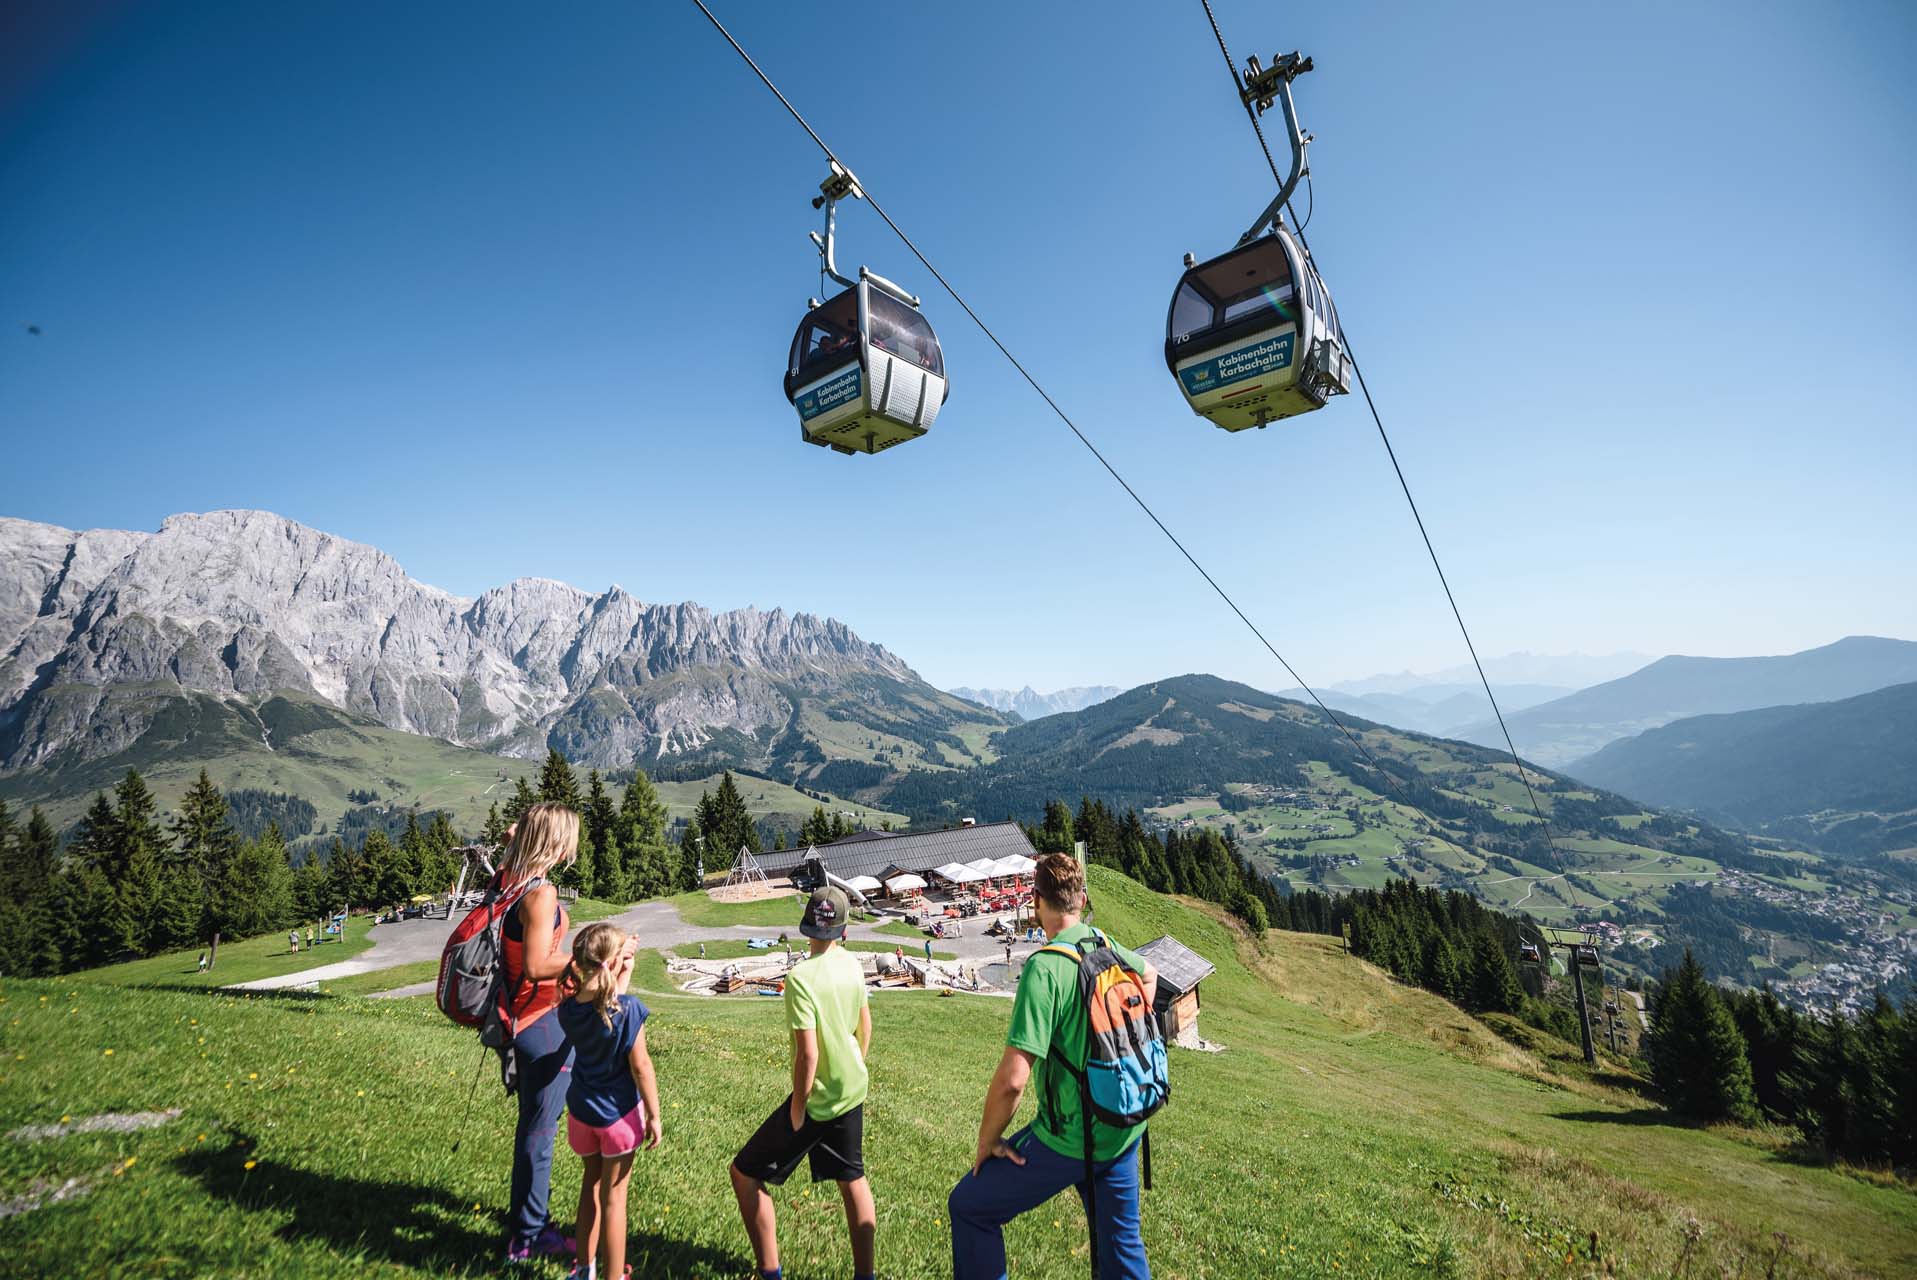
546	835
590	970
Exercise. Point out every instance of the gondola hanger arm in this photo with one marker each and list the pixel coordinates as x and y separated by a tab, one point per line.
1259	89
840	184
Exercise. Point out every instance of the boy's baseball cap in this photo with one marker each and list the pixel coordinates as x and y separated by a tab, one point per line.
826	913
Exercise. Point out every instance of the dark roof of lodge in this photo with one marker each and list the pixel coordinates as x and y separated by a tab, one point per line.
914	851
1179	967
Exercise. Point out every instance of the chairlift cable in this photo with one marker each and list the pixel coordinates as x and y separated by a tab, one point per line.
1358	371
1053	404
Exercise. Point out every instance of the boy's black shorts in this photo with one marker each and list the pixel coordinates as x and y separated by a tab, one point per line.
836	1147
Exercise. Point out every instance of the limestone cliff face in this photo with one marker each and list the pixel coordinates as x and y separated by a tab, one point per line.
242	603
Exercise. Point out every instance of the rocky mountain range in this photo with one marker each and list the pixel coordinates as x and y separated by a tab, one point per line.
1029	704
99	628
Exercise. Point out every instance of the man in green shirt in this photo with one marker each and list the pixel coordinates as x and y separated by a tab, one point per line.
823	1118
1011	1175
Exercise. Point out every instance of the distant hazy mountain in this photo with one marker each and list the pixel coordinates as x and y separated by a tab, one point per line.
1030	704
1567	671
103	635
1434	708
1569	728
1840	775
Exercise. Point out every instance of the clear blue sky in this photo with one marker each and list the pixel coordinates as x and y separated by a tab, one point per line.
507	291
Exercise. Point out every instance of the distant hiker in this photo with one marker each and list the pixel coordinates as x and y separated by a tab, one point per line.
702	950
1011	1175
293	940
613	1101
928	951
309	939
546	838
202	962
823	1118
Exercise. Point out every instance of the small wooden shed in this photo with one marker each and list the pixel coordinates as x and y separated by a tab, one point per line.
1180	970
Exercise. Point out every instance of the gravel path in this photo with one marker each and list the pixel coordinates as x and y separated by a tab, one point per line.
659	926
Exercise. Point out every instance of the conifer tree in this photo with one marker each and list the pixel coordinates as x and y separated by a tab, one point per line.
346	881
255	895
558	783
523	798
202	830
1698	1059
79	934
647	865
1494	979
494	832
388	880
93	836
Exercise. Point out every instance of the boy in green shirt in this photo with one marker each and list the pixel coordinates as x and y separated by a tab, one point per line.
823	1118
1012	1175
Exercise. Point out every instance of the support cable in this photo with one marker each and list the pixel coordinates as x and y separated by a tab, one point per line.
1523	776
1051	403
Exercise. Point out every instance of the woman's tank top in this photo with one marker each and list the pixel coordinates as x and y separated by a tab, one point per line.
527	1001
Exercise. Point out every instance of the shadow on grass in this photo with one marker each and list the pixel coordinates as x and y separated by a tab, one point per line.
1655	1117
400	1221
403	1222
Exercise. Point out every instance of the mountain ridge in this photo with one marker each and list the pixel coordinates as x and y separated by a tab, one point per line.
1029	704
1841	775
240	604
1674	687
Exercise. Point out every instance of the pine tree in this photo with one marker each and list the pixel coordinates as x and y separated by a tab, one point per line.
1494	979
346	881
94	838
1698	1059
522	799
646	865
202	831
726	825
1055	836
557	782
599	846
79	908
494	832
388	879
255	895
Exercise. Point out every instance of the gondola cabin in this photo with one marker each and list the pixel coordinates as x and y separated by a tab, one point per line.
1587	956
1529	956
1253	337
866	371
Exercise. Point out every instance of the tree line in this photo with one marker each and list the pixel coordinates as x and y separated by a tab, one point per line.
1847	1083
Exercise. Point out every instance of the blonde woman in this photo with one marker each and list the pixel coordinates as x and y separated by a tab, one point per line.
545	838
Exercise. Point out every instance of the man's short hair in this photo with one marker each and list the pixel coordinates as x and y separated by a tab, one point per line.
1060	882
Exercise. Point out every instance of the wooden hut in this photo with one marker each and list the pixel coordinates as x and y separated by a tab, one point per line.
1180	970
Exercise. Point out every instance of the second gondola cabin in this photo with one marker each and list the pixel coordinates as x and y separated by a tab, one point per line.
1253	337
866	371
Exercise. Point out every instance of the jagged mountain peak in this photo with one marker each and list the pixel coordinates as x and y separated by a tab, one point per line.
240	603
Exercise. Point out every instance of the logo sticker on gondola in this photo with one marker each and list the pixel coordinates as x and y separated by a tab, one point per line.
831	394
1236	366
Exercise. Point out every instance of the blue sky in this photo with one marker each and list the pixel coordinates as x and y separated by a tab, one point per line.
508	291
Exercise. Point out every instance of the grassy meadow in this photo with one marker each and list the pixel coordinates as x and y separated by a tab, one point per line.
1351	1127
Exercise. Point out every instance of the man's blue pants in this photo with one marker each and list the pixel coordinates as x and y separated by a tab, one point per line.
982	1203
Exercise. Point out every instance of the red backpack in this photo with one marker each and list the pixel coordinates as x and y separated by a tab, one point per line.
472	966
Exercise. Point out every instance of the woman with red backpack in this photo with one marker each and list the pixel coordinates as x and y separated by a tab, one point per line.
545	838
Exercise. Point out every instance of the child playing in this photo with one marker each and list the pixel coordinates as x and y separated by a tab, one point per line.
611	1077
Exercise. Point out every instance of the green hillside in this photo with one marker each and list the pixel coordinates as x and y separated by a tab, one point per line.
1350	1127
1200	751
1841	775
292	744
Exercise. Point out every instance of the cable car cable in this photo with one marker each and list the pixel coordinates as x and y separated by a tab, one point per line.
1053	404
1358	371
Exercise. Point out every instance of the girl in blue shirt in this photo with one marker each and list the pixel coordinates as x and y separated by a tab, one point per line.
613	1100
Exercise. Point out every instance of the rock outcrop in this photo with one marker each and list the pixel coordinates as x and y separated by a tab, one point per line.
240	604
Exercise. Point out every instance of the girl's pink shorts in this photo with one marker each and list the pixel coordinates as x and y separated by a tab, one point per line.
620	1138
